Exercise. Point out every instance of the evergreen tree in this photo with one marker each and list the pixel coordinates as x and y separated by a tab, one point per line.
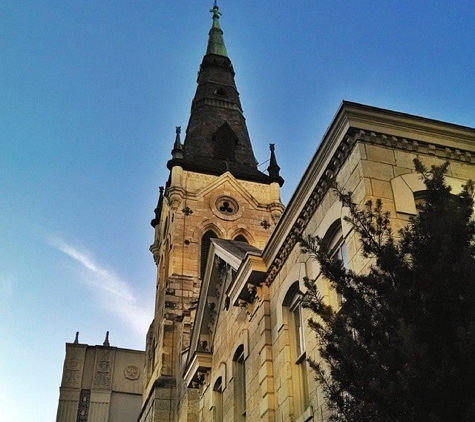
402	345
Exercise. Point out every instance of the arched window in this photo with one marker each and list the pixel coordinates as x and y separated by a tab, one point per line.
205	244
241	238
335	243
420	199
221	92
225	141
293	309
218	400
239	372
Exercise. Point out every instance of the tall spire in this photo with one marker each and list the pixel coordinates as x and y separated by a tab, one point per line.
217	139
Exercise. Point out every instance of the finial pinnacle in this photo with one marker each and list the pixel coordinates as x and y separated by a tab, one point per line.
215	10
106	340
177	151
274	168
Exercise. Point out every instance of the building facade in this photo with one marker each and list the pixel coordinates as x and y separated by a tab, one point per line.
100	383
229	339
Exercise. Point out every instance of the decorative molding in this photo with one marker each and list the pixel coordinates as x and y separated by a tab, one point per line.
412	145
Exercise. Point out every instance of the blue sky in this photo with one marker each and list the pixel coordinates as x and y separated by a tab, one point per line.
90	94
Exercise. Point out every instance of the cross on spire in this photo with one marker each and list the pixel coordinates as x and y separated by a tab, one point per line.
215	10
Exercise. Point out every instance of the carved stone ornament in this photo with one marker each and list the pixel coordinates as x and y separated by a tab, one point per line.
225	207
131	372
83	407
103	376
72	370
265	224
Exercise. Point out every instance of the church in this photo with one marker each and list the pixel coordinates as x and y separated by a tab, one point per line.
229	338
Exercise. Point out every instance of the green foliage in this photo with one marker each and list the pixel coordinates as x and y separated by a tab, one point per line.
402	345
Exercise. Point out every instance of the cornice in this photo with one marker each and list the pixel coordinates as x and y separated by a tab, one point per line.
404	125
200	363
250	274
359	123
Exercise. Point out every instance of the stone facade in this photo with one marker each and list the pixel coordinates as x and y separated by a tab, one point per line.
100	384
194	205
368	151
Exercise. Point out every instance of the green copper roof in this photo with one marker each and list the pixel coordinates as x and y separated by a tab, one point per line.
216	40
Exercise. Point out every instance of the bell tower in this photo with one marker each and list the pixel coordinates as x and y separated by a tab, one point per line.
214	190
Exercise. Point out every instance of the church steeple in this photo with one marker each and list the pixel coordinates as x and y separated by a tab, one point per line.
214	190
217	139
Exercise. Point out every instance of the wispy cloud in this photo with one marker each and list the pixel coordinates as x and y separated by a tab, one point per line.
115	294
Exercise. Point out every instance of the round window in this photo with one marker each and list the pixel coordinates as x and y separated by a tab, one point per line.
226	205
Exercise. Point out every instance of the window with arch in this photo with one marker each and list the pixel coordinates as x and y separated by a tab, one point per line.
218	400
336	246
239	372
225	141
221	92
241	238
293	310
335	243
420	199
205	245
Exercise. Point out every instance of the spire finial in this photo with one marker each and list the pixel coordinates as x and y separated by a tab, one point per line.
106	340
216	14
76	340
158	210
177	151
274	169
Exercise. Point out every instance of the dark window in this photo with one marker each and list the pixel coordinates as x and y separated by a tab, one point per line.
205	244
293	308
241	238
240	383
218	400
225	143
336	246
221	92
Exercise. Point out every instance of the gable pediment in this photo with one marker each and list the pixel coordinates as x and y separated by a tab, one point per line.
229	184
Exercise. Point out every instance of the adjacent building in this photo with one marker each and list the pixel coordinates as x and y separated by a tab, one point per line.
229	339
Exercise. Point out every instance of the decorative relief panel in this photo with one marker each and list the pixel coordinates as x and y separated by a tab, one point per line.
198	180
256	189
73	366
131	372
103	369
